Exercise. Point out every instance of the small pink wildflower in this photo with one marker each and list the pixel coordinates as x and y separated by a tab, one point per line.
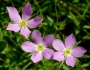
67	51
39	47
24	23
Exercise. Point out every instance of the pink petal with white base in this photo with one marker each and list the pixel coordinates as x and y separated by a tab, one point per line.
71	61
58	45
36	57
27	11
36	36
70	41
28	46
33	23
58	56
48	39
13	27
47	53
13	13
78	51
25	32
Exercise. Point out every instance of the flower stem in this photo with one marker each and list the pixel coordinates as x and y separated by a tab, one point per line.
56	12
43	61
61	64
12	3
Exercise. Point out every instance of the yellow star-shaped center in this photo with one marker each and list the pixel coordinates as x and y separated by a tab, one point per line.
40	47
67	52
23	23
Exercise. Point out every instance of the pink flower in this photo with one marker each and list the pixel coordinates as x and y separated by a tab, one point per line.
24	23
39	47
67	51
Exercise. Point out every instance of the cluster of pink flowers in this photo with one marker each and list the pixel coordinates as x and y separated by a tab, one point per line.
64	51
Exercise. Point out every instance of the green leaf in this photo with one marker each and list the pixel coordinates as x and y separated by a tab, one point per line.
50	20
75	1
78	63
10	67
77	43
55	0
2	46
86	26
6	50
65	67
77	31
86	37
60	25
24	68
86	65
72	16
86	56
1	35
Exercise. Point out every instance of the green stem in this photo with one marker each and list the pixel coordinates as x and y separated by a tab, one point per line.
56	11
25	67
43	61
38	6
12	3
61	64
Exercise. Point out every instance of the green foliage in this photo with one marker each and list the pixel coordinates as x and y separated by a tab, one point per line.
1	35
61	18
2	46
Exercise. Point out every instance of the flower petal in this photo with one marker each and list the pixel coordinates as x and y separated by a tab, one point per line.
36	57
25	32
48	39
70	41
36	36
78	51
58	56
28	46
27	11
47	53
71	61
33	23
58	45
13	14
13	27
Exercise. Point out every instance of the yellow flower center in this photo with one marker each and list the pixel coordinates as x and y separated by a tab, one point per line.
40	48
23	23
67	52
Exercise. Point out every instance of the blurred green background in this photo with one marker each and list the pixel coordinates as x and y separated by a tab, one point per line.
61	17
